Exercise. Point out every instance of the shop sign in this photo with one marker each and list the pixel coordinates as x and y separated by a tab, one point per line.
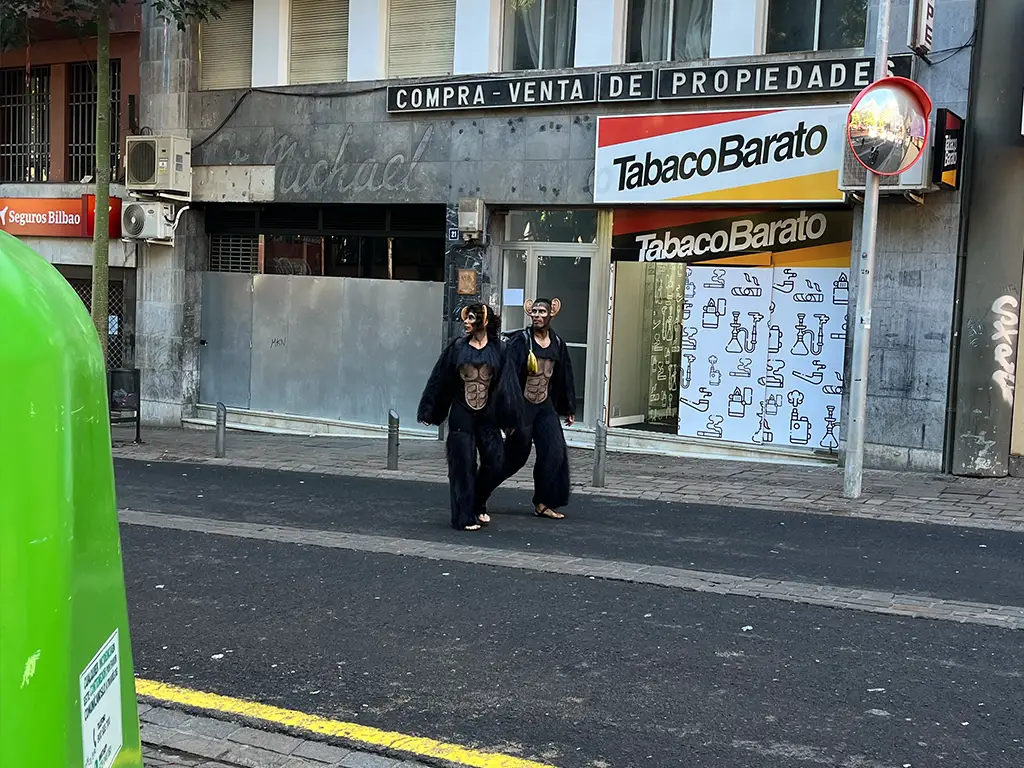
639	85
949	149
55	217
737	157
921	27
727	236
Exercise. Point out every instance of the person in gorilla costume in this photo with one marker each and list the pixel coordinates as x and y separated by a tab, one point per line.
476	390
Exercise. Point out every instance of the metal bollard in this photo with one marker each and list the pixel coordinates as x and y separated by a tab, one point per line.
392	440
600	454
222	426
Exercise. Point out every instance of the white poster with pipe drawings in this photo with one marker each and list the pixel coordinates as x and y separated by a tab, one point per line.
807	339
724	350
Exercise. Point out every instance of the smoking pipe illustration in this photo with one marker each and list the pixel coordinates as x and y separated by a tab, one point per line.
713	310
749	343
713	428
717	279
799	426
687	375
834	389
689	339
829	440
813	378
807	341
814	297
699	405
787	285
773	379
714	374
752	290
739	400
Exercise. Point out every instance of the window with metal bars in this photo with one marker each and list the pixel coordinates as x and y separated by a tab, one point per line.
24	125
82	120
115	315
235	253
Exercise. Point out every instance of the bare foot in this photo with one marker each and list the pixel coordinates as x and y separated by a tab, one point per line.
543	511
483	518
471	528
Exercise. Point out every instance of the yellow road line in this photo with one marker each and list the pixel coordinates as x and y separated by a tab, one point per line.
365	734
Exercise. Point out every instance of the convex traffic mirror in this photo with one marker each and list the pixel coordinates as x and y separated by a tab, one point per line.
888	125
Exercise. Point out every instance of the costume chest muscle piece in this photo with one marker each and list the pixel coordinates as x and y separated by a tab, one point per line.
537	384
477	381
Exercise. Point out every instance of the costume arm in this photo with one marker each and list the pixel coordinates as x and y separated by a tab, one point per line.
509	405
437	396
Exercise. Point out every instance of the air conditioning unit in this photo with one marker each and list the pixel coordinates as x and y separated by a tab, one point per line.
147	221
158	164
471	216
917	179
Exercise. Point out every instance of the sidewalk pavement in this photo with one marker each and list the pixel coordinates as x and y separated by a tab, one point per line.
899	496
172	738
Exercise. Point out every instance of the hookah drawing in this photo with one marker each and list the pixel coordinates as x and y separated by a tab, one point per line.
840	336
700	405
773	379
834	389
813	378
743	369
799	426
713	310
814	297
689	340
738	402
807	342
829	440
752	289
713	429
717	279
841	290
714	374
764	432
749	343
687	375
787	285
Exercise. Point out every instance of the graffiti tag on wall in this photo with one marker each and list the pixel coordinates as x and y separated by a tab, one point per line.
1006	328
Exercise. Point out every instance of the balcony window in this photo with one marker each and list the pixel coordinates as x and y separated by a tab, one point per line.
421	38
319	42
816	25
24	124
82	120
225	48
543	34
668	30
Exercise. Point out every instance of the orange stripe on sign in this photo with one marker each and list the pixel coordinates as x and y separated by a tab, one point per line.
619	130
626	221
813	188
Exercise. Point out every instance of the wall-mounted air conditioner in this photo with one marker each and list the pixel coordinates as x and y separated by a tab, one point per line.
853	175
147	221
157	164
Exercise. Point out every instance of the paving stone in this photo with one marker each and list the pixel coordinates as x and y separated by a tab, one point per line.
364	760
168	718
194	744
275	742
253	757
155	734
325	753
208	726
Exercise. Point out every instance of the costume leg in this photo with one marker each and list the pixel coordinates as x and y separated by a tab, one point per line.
517	445
492	453
551	472
461	450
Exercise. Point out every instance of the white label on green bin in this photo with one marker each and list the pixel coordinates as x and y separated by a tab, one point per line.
100	690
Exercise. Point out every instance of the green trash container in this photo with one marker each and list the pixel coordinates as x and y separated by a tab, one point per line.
67	691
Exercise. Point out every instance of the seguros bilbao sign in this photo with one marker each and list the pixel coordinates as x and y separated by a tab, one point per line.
744	156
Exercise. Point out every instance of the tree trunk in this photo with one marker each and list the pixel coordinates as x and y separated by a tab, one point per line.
101	233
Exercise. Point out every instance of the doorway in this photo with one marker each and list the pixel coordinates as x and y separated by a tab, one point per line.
562	271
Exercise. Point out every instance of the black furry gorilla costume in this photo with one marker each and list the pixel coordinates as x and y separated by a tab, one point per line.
479	394
544	402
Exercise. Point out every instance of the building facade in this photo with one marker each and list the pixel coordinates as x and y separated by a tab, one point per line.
706	280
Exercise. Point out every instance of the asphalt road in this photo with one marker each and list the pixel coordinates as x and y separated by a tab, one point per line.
577	672
939	561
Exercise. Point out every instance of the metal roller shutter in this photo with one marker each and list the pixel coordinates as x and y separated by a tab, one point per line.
319	41
225	48
421	38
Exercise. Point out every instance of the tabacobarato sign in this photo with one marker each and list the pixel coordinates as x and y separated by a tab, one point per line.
669	83
737	156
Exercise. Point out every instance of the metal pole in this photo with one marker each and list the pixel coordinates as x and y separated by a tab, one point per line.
854	466
600	454
222	425
392	440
